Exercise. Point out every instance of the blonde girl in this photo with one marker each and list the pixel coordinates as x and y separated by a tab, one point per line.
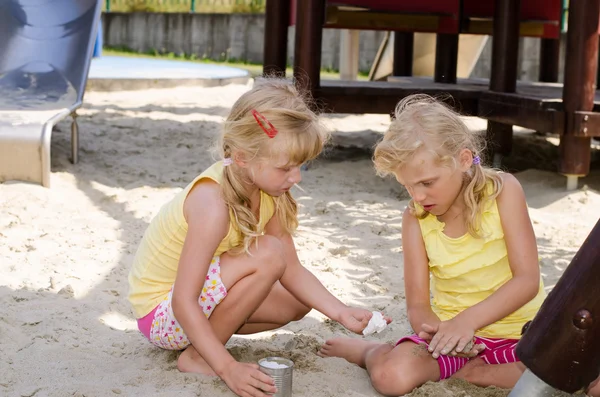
471	268
219	258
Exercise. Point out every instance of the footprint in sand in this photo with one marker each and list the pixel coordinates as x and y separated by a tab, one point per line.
340	251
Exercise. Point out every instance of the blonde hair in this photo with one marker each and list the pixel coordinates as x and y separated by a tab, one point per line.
300	136
424	122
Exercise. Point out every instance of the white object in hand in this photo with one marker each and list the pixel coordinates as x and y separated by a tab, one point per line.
376	324
272	365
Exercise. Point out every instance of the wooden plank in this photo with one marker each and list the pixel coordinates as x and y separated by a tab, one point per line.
537	106
526	28
382	97
342	18
522	112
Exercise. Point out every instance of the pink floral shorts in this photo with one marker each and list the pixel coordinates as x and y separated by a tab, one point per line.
160	325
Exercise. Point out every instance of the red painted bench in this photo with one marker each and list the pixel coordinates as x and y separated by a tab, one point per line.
539	18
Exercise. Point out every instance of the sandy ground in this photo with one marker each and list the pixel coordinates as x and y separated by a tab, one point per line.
66	328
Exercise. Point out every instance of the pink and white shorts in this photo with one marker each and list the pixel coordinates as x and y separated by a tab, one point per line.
160	325
497	351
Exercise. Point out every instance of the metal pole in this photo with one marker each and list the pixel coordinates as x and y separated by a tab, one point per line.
530	385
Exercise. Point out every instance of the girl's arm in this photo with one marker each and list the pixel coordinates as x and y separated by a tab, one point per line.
523	259
208	223
416	275
522	252
308	289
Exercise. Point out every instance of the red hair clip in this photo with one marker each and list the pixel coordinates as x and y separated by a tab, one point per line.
265	124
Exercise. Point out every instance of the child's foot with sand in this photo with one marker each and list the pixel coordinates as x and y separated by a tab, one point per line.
191	361
352	350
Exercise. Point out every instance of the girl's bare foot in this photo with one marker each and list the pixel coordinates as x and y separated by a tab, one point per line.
190	361
594	389
352	350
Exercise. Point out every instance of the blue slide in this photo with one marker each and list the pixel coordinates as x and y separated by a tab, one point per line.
46	47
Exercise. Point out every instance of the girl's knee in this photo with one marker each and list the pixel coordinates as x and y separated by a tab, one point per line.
472	371
391	379
270	255
300	312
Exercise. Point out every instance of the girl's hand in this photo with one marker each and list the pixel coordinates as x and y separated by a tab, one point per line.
470	353
428	331
355	319
448	336
245	379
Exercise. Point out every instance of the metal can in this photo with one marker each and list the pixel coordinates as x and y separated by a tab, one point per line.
281	370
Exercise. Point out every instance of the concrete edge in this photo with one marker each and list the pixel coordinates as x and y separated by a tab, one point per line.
99	84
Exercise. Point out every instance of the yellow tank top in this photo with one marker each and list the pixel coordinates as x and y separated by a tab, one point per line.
466	270
157	259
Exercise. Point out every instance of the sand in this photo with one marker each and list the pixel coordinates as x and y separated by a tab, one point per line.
66	328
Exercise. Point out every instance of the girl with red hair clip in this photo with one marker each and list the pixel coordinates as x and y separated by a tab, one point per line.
219	258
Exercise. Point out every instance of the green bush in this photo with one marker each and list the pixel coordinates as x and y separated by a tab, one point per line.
200	6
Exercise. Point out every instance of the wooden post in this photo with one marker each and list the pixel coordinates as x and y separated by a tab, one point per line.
403	53
349	46
446	58
310	16
549	60
505	53
277	17
562	344
579	85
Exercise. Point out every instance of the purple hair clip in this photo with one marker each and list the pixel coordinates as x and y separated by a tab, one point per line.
227	161
476	160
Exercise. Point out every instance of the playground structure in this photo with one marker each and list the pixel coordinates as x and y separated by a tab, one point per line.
45	55
566	110
423	64
561	347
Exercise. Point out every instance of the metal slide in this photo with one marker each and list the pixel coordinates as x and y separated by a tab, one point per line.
46	47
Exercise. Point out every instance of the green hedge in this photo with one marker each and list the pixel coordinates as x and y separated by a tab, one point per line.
202	6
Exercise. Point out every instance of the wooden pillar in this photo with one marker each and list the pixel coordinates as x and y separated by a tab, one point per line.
505	54
562	344
549	60
310	16
403	53
277	18
598	72
446	58
349	53
579	84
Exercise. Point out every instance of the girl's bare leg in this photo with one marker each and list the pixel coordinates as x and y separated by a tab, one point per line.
249	280
594	388
279	308
393	370
481	374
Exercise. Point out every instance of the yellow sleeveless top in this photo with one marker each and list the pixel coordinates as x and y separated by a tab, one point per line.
466	270
157	259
